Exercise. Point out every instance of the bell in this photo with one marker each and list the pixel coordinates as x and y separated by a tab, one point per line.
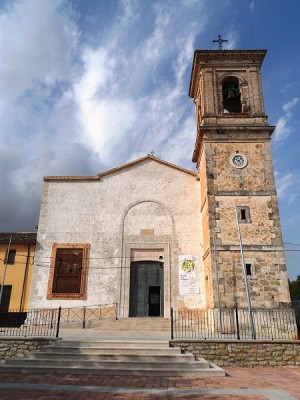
231	94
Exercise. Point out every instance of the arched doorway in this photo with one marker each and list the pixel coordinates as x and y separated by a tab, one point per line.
146	289
147	237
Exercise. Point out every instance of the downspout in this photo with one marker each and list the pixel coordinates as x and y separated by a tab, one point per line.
25	277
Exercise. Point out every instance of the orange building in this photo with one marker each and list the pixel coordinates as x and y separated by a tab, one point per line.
16	263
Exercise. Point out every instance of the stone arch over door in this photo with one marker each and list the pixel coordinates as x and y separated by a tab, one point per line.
147	232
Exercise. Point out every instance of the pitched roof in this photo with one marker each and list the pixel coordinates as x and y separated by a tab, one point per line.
18	237
116	169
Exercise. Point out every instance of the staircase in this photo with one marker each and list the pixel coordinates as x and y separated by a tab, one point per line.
140	324
111	357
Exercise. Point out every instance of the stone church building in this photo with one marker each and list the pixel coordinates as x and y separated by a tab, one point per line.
150	235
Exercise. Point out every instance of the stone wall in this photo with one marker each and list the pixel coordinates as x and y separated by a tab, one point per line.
16	347
244	353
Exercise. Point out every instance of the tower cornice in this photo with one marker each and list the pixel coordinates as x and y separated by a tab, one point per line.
236	133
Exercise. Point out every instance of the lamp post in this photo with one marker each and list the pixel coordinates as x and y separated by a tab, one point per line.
253	334
217	278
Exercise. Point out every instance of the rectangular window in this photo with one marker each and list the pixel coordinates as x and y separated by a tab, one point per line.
11	256
68	272
248	269
244	214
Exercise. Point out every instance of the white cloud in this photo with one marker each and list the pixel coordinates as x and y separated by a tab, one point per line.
69	106
284	185
252	5
290	105
127	101
131	12
156	43
283	126
37	42
232	38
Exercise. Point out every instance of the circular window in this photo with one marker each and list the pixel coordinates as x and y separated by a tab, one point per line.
238	160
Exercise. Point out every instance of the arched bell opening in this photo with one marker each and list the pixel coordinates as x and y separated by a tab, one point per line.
231	95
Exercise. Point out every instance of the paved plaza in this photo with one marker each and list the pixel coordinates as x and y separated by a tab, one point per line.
240	383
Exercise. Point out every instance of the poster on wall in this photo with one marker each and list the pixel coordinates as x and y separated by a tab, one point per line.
188	280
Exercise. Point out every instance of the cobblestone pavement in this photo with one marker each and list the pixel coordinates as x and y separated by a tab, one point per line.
239	384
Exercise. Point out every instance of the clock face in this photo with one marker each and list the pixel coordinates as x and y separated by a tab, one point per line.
238	160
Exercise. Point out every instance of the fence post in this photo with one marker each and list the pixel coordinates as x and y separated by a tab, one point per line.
58	321
84	315
116	311
52	312
237	323
172	322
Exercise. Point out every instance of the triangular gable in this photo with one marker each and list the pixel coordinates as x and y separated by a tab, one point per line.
142	159
116	169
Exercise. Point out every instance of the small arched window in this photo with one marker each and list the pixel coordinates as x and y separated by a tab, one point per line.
231	95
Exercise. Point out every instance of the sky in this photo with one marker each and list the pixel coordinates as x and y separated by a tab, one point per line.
87	85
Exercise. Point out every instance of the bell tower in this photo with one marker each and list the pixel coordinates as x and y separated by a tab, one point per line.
234	163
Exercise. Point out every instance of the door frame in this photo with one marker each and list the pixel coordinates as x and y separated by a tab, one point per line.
161	248
137	270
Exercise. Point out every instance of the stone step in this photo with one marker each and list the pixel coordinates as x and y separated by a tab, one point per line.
213	370
96	356
108	364
146	324
137	344
111	357
109	350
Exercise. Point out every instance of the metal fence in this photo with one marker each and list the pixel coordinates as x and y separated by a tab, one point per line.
234	324
86	314
47	322
30	323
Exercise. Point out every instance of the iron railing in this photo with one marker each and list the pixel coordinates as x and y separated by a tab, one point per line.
234	324
29	323
90	313
47	322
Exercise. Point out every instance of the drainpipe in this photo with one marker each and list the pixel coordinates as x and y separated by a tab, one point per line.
25	278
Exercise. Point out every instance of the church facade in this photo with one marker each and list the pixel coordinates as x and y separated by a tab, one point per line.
150	235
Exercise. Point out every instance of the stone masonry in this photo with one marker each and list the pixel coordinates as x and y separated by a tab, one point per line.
244	353
16	347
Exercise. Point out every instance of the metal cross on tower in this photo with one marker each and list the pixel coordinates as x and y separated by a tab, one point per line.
220	42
